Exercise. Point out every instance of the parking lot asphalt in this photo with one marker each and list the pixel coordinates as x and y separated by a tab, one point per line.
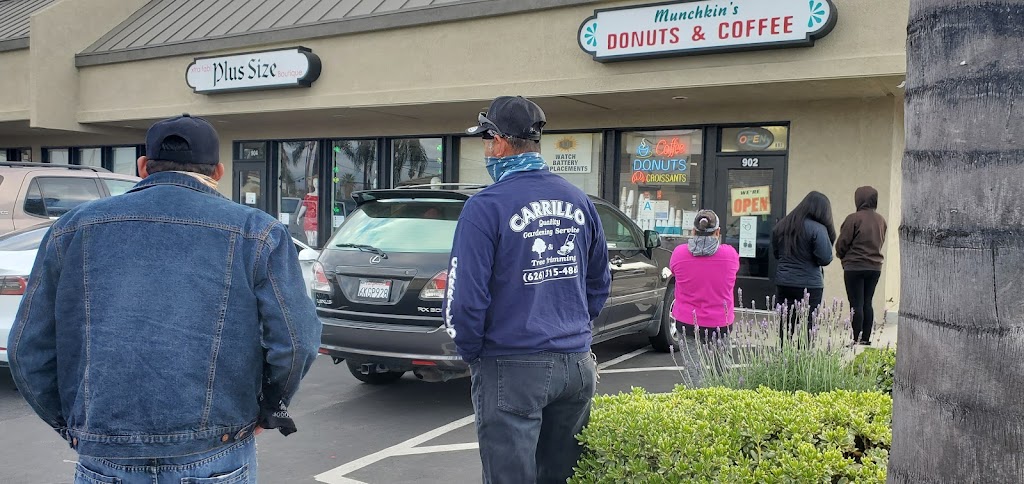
349	432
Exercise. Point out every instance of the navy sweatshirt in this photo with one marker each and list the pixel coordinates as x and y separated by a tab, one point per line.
529	269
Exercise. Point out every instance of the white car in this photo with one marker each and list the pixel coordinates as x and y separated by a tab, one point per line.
18	253
307	257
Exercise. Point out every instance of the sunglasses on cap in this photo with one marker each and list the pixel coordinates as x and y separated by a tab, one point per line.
490	130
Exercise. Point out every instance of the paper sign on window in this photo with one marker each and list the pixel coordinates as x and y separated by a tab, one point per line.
751	201
748	237
568	154
653	210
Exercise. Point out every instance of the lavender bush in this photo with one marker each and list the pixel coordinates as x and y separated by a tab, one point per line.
751	355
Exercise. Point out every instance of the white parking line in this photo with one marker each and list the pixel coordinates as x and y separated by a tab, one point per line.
337	475
409	447
625	357
641	370
434	449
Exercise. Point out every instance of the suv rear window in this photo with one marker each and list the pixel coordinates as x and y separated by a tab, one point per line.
55	196
118	187
402	225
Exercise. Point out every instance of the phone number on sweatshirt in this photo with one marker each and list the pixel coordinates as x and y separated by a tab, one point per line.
537	276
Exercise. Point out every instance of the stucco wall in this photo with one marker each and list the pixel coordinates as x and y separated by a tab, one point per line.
14	85
58	33
535	54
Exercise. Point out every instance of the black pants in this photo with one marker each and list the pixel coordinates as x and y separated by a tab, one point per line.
860	289
790	295
705	334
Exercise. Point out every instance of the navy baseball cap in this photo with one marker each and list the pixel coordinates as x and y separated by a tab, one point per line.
511	116
202	139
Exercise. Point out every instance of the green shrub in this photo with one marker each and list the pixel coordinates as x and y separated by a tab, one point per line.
877	364
752	354
737	436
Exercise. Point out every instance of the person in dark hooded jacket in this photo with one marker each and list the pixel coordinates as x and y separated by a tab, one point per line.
859	247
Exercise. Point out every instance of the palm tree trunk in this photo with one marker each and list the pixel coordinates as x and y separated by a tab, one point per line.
959	383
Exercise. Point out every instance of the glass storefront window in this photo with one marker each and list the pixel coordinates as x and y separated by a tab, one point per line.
417	161
124	160
660	179
90	157
299	202
26	154
3	156
755	138
58	156
250	183
755	260
355	169
471	162
575	156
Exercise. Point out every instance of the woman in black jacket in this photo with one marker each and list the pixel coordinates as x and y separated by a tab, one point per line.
802	243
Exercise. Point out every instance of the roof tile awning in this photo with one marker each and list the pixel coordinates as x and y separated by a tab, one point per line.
14	22
165	28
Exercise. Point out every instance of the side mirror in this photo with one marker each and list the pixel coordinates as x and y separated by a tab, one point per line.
652	239
309	255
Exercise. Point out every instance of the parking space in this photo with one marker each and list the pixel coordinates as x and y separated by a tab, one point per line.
349	432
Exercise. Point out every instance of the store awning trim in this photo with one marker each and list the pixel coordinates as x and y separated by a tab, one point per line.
164	28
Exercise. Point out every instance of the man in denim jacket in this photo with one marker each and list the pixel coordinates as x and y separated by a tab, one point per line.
163	328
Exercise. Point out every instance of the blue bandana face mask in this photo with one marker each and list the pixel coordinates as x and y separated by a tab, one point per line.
499	168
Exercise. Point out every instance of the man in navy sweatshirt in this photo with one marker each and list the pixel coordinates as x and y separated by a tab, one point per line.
528	275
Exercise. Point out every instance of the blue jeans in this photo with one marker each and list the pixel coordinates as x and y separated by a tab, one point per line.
529	409
234	464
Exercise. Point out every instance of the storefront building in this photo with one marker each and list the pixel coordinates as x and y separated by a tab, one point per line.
742	106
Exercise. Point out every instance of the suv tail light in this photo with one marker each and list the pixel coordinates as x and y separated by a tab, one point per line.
13	285
435	287
320	281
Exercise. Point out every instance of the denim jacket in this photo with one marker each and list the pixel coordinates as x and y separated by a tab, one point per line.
164	322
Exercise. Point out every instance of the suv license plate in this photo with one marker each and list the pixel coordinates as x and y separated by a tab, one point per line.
374	290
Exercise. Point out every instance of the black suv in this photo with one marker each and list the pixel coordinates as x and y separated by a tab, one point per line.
380	281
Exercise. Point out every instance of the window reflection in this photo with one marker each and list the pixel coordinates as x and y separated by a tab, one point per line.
299	201
58	156
355	169
417	161
90	157
124	160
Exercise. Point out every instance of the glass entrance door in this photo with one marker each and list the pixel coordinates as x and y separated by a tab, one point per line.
250	187
750	198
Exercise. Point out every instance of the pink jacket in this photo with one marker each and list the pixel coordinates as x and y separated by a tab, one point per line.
705	286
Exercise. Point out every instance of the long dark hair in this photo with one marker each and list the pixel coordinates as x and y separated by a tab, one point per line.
790	232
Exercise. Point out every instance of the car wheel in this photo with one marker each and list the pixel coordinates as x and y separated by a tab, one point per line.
667	338
373	378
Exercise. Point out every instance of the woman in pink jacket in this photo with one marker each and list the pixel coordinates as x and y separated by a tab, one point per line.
705	274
